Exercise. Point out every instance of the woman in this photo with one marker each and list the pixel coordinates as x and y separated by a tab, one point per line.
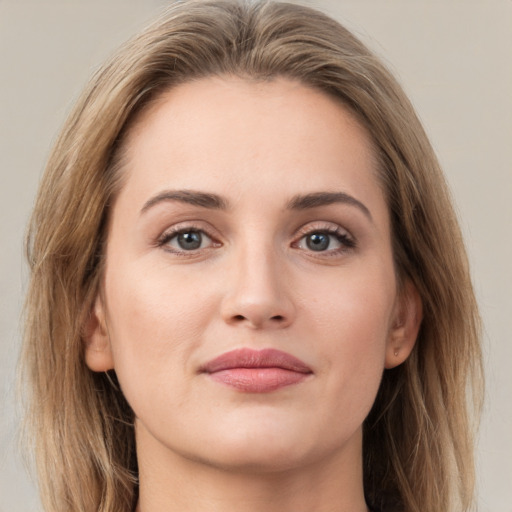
249	289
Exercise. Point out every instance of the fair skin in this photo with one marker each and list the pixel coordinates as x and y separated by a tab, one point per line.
290	249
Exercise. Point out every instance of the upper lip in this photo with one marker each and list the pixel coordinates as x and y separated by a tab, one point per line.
249	358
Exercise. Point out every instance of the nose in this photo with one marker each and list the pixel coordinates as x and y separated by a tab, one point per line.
257	295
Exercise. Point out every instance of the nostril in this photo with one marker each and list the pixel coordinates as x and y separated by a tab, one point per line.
239	318
278	318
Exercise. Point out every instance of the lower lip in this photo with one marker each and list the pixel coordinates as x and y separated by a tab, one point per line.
258	380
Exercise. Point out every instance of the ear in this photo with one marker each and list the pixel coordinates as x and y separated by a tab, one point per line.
406	324
98	352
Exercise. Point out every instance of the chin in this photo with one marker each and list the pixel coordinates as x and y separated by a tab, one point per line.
260	459
261	449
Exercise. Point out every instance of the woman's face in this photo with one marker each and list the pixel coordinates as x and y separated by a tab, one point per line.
250	304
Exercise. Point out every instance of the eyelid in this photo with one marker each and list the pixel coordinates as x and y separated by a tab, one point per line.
329	227
183	227
347	240
345	237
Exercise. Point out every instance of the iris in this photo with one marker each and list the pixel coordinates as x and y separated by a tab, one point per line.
190	240
318	241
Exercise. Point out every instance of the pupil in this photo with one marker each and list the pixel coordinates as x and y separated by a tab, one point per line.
189	240
318	241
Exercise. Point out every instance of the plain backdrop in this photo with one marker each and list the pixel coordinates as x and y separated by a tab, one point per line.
454	58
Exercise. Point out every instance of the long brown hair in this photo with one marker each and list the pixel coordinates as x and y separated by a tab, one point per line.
418	445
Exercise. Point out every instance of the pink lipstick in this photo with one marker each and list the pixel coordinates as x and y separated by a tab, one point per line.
256	371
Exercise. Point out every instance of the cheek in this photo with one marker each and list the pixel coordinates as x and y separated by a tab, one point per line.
155	323
352	321
355	306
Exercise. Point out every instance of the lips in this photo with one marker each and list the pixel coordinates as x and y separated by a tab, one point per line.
256	371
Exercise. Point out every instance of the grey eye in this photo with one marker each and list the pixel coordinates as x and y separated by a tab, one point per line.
318	241
189	240
326	241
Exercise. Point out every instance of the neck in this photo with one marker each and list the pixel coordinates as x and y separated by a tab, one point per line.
172	482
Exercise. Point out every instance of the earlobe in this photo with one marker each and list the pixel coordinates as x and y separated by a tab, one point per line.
404	331
98	352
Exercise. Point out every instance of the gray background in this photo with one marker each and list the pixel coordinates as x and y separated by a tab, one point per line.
454	58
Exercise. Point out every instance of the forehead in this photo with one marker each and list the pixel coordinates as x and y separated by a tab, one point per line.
221	133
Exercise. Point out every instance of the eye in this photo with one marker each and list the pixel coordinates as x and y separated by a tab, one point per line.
185	240
326	240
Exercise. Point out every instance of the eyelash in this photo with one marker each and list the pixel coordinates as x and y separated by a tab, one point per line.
347	242
175	231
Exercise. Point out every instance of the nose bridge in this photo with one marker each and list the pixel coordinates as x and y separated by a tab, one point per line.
257	296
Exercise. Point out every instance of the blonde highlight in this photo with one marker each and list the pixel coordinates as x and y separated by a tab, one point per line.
418	438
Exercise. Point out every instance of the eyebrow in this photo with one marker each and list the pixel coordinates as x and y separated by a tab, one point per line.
316	199
202	199
216	202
